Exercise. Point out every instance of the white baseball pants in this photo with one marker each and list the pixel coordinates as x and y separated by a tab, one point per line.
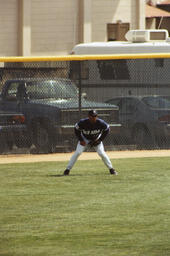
80	149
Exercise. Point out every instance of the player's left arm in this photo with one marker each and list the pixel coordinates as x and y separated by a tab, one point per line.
105	132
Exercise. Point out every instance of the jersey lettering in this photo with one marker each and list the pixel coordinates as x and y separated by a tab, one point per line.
91	131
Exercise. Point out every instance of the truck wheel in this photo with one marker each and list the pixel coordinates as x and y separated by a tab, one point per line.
142	138
42	139
23	141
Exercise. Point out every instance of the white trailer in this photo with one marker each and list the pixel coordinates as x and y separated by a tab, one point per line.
138	41
140	65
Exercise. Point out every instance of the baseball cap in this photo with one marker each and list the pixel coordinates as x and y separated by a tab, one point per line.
92	112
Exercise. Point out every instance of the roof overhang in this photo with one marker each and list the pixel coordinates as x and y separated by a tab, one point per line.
153	12
166	2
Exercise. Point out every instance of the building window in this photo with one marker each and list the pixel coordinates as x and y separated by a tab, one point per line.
113	69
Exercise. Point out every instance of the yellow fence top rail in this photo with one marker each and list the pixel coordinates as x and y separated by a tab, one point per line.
84	57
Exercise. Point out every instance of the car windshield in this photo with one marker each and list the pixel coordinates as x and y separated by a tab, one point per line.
59	89
157	102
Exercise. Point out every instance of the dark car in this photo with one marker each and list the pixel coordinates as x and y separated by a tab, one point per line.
12	128
145	120
51	108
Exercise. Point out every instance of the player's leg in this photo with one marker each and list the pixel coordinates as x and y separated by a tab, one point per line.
79	150
101	152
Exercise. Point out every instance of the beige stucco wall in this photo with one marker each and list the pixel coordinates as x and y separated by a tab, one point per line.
41	27
110	12
8	28
54	26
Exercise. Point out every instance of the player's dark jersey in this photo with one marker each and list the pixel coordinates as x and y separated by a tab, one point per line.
91	131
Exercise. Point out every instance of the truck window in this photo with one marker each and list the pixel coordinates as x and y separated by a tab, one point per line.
159	63
61	88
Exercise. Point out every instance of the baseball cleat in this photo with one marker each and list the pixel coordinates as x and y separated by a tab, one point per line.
66	172
112	171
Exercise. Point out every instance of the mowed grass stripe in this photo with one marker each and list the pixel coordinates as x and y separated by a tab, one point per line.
89	212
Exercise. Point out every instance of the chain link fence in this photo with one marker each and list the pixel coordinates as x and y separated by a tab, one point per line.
42	99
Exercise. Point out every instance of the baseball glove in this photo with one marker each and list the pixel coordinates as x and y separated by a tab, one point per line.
94	143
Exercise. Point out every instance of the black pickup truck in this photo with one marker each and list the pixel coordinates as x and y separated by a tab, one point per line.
51	109
12	128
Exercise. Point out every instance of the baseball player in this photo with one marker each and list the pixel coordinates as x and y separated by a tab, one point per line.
91	132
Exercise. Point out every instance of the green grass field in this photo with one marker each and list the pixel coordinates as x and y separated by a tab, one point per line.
87	213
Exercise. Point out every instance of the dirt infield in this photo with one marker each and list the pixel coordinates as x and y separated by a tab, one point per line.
27	158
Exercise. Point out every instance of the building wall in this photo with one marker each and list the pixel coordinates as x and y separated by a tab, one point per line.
111	12
54	26
150	23
8	28
165	24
